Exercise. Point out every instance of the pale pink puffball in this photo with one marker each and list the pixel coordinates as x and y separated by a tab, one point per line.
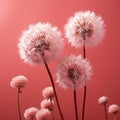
84	28
43	114
39	39
48	92
47	103
73	71
103	100
30	113
114	108
19	81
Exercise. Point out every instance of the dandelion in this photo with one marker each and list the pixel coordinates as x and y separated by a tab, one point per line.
85	28
73	71
43	114
41	43
47	104
103	101
19	82
30	113
48	93
114	109
40	40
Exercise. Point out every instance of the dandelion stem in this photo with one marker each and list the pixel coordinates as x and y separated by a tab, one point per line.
85	88
115	118
18	102
52	82
53	118
105	111
75	104
32	118
84	52
84	101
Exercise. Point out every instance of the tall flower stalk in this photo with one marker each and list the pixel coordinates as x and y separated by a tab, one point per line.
84	29
103	101
115	117
72	72
75	103
85	88
18	102
53	85
39	44
105	109
53	118
19	82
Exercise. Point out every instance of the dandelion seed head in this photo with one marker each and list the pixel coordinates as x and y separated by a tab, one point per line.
29	113
114	109
73	71
43	114
85	28
48	92
103	100
47	103
41	39
19	81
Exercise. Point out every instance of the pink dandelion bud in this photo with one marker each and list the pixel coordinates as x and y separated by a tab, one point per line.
43	114
73	71
84	28
30	113
48	93
41	39
114	109
103	100
19	81
47	103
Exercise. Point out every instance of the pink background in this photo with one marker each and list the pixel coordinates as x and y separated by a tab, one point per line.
16	15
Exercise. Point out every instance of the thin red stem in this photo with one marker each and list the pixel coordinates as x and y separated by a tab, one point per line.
53	118
53	85
18	102
84	52
105	111
115	118
85	88
75	104
84	101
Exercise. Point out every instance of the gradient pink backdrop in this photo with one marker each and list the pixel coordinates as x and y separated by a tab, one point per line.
16	15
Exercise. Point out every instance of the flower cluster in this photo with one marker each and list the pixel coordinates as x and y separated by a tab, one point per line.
42	42
113	109
46	107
